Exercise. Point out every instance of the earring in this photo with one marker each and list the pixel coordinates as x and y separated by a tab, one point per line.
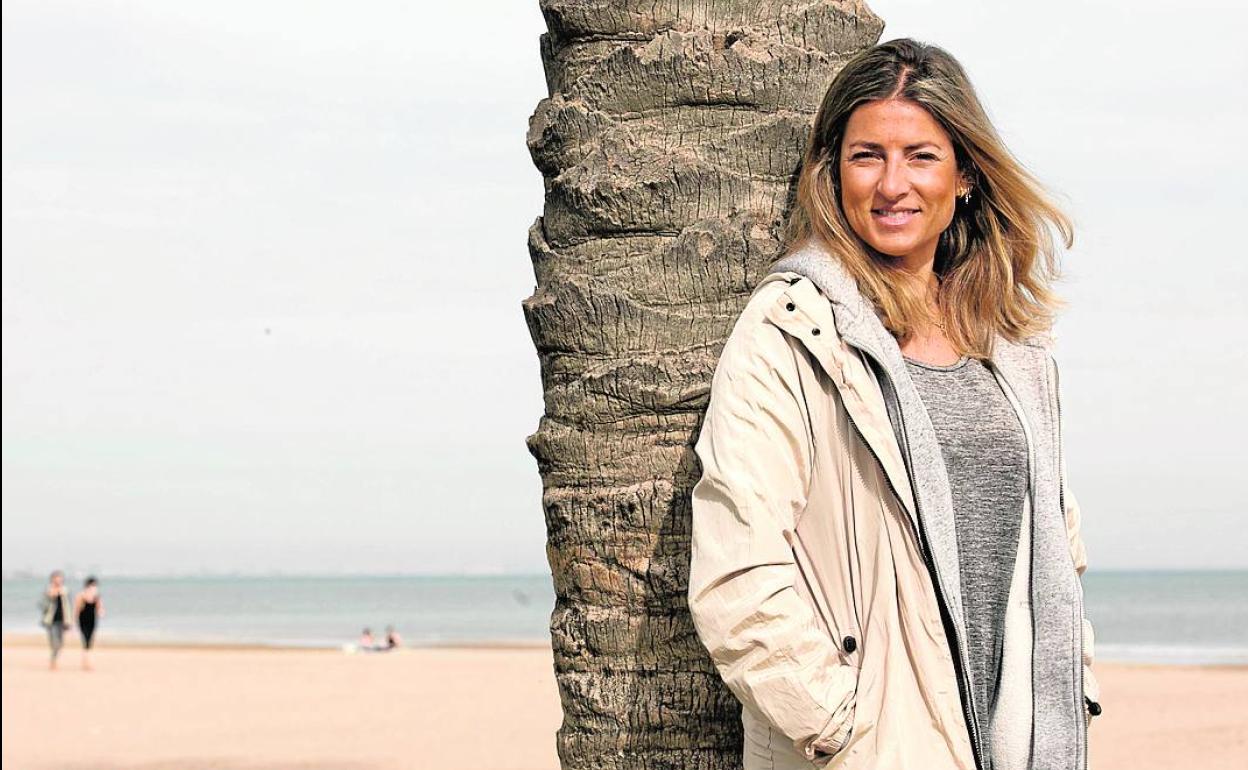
966	197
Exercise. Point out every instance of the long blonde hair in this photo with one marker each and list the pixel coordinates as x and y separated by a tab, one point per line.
995	261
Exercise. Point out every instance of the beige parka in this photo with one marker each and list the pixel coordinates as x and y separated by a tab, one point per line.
823	579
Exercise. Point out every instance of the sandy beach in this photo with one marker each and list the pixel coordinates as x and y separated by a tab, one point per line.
188	708
195	708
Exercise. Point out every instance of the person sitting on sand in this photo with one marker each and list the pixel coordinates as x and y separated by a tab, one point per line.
392	638
367	642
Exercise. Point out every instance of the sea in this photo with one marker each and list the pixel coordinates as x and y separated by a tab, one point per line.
1176	617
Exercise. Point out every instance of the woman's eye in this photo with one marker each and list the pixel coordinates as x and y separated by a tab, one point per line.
858	155
926	156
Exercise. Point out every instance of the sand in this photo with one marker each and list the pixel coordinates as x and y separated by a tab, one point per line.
189	708
186	708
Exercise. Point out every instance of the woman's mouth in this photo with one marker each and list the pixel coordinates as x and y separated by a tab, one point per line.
894	217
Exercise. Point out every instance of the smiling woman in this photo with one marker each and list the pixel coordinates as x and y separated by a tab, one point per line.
904	170
897	192
886	559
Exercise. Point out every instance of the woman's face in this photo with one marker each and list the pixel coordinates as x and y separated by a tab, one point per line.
896	158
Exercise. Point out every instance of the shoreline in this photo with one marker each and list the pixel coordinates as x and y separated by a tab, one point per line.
25	640
22	640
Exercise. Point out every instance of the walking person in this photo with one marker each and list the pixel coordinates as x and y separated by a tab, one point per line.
89	609
886	557
54	614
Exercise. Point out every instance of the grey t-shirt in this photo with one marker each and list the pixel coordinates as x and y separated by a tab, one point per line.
985	453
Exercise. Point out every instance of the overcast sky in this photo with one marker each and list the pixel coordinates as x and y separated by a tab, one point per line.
253	320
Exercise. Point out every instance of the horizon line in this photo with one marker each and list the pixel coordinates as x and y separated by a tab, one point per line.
23	574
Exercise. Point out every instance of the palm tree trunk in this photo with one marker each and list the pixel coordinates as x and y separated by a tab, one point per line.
668	147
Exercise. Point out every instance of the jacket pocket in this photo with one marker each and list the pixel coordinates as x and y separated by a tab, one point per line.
824	755
749	606
841	630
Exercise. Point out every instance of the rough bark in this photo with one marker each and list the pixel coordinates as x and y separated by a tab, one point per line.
668	146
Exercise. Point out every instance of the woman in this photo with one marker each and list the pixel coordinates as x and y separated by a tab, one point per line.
88	608
54	613
886	560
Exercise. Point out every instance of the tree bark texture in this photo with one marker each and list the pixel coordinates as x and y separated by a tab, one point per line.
669	145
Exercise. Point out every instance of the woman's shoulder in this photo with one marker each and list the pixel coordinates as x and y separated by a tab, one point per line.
753	328
768	291
758	355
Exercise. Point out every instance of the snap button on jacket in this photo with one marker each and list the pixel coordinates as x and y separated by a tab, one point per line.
819	577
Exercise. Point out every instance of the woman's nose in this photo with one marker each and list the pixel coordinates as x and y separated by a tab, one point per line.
894	182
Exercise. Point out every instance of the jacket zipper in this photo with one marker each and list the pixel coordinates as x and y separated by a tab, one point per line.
964	686
1061	487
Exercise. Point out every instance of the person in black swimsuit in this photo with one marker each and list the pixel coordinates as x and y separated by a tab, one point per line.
89	609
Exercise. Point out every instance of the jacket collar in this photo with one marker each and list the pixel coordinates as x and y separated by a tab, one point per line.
856	319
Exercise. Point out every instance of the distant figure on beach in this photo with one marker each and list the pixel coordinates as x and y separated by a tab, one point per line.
88	608
367	642
392	638
54	613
